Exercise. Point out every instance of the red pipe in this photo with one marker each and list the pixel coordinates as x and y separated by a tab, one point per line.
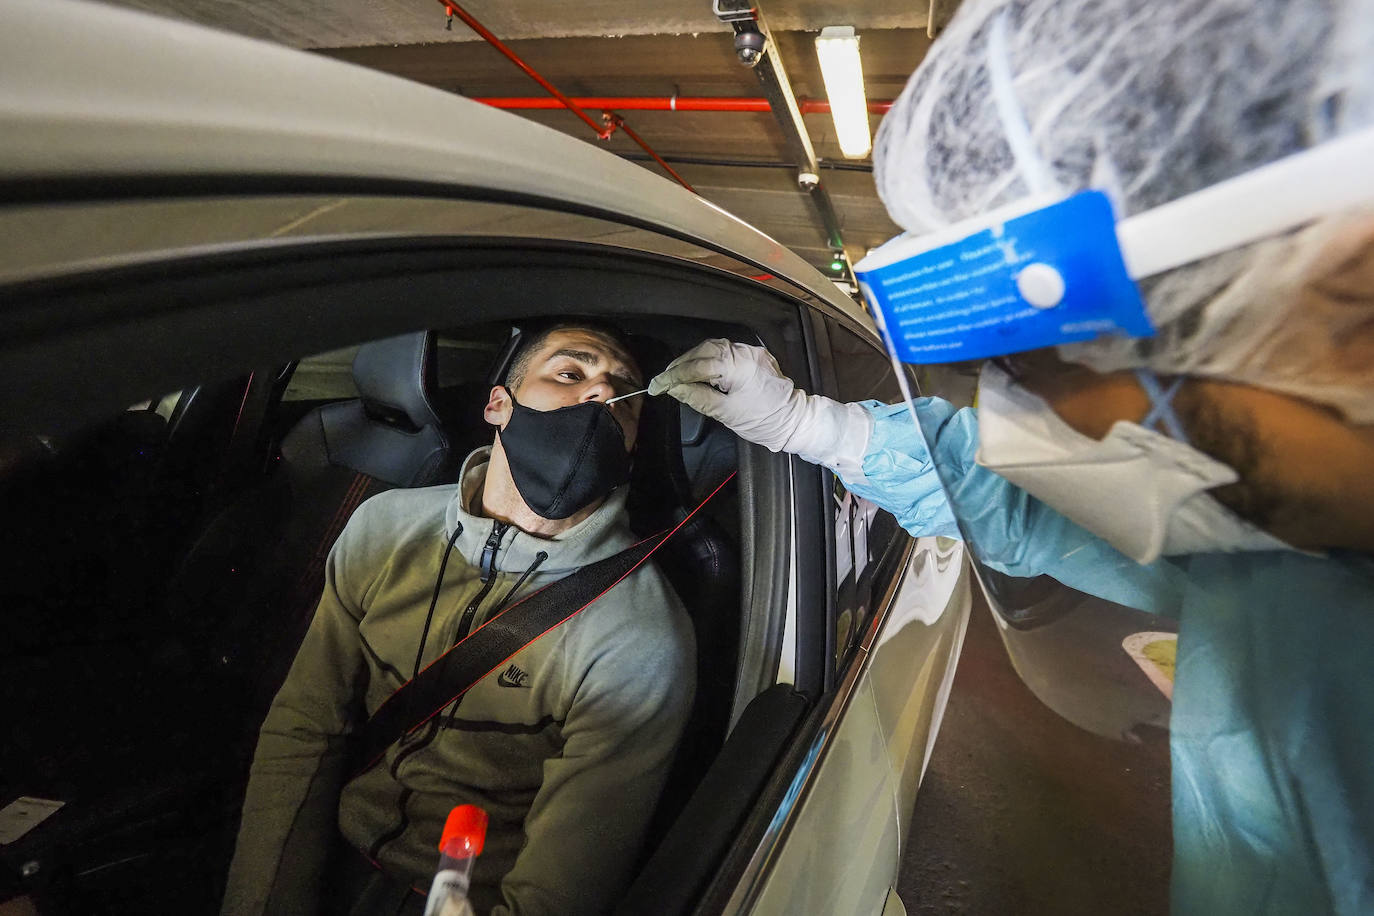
666	103
616	120
611	119
455	10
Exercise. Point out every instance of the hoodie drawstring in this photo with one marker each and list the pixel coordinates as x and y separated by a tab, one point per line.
429	617
539	557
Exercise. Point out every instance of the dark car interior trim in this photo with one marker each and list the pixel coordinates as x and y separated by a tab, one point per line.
673	878
815	538
764	506
824	370
813	580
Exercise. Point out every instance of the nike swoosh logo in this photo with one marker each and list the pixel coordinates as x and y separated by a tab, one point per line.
505	681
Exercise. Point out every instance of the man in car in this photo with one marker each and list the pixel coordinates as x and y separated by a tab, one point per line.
565	747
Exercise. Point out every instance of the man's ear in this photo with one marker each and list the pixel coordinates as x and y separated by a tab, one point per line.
498	409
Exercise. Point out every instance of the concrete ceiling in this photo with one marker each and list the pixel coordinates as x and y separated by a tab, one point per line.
630	48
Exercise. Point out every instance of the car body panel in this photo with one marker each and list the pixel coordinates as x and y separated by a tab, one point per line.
836	837
841	854
252	112
913	665
103	234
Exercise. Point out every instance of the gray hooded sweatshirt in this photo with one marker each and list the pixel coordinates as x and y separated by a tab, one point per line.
566	746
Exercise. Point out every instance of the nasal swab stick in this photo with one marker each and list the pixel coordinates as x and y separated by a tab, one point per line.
624	396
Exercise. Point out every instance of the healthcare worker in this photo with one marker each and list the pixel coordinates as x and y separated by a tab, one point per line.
1216	462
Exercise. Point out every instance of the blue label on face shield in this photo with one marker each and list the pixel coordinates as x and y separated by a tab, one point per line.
1054	275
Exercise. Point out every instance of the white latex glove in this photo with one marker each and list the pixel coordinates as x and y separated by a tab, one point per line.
743	388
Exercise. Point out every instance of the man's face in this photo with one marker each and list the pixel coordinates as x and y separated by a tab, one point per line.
571	366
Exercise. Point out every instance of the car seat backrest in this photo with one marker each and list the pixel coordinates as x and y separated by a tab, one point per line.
338	455
391	431
331	460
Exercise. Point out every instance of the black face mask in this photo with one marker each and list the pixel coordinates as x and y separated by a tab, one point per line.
564	460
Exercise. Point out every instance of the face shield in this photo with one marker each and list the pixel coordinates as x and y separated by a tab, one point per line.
1067	274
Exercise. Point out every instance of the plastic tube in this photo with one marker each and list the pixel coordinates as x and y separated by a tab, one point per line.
461	843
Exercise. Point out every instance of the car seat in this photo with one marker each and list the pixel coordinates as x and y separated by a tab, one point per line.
235	607
338	455
330	461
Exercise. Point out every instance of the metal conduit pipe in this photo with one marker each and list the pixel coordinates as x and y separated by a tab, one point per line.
755	48
665	103
617	121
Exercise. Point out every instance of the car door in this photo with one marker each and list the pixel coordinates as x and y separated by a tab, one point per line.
894	610
914	657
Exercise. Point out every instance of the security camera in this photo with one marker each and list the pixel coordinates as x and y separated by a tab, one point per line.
808	180
749	47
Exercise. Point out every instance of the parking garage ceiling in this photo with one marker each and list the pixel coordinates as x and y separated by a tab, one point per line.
738	160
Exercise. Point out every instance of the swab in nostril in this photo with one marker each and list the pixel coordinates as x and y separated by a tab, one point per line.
624	396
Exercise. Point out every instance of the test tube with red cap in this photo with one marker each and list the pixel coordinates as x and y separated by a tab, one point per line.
460	844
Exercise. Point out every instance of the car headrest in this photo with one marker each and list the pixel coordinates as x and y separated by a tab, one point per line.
394	377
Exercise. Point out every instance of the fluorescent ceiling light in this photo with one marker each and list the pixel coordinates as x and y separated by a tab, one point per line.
838	49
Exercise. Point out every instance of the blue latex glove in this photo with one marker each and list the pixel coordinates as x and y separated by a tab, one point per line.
900	474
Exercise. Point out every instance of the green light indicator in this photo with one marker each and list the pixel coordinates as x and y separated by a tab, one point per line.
837	265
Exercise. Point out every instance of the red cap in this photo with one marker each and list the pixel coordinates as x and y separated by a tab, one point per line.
464	832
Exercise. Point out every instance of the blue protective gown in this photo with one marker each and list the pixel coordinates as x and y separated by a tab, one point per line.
1272	730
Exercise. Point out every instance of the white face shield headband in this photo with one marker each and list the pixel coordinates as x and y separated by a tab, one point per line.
1037	275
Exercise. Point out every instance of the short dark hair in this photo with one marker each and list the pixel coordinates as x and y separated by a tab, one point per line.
532	338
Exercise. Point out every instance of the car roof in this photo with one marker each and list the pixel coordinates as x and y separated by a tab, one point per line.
100	98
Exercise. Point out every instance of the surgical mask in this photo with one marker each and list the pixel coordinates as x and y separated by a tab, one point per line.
564	460
1141	491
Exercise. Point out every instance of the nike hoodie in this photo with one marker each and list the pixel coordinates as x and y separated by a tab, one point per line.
565	747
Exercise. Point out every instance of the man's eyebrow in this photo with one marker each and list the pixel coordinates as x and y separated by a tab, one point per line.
591	359
583	356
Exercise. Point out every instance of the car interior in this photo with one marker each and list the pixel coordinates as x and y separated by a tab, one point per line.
168	559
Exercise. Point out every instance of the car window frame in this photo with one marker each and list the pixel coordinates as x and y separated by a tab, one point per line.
841	658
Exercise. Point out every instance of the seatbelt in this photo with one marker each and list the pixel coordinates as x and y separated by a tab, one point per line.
492	645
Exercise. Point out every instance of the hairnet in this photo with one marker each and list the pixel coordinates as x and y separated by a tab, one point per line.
1149	103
